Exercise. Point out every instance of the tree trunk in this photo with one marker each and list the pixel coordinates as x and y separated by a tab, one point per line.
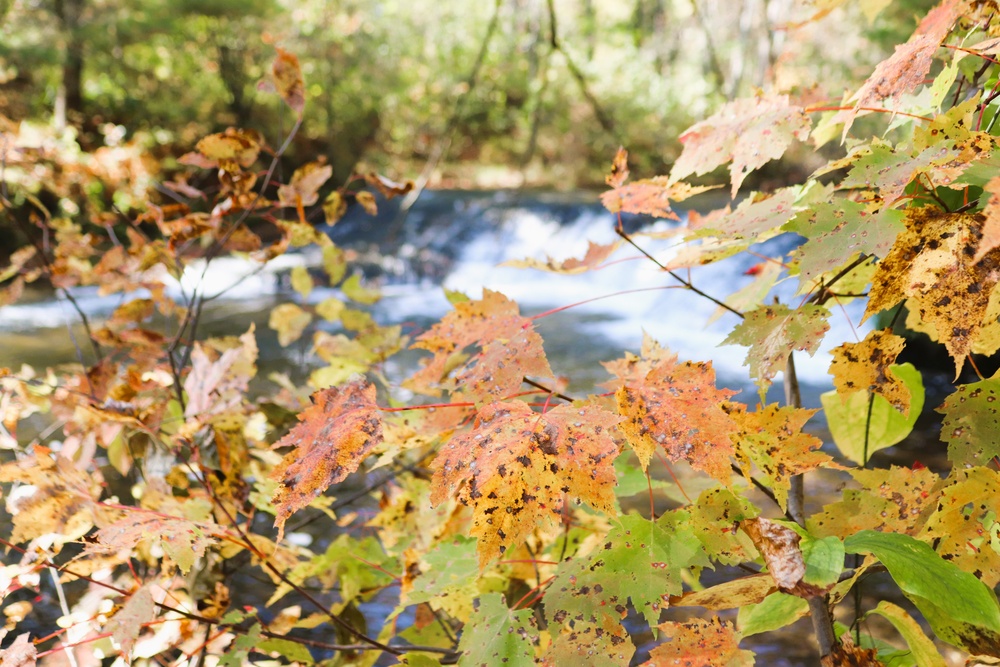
69	97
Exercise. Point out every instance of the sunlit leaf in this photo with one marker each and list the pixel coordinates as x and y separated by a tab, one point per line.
305	184
774	332
289	320
776	611
841	230
867	367
640	561
387	187
960	608
287	76
965	522
594	257
859	432
677	406
335	435
923	649
516	467
771	438
931	265
126	625
896	500
748	132
707	643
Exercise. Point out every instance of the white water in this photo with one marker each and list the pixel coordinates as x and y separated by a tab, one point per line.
674	316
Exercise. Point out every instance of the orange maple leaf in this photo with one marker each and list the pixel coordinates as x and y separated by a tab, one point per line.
676	406
709	643
333	438
510	349
516	467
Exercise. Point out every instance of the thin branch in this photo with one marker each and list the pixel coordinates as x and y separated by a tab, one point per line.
687	284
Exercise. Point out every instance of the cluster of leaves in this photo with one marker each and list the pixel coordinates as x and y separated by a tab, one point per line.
500	525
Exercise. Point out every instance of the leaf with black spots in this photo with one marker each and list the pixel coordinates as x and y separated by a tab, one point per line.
676	406
700	643
517	467
867	367
774	332
931	265
497	635
334	436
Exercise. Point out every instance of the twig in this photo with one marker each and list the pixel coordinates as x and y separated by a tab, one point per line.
686	283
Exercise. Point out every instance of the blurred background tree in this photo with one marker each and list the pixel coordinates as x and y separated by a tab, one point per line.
489	94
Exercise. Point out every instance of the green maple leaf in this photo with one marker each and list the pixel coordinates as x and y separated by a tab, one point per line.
451	566
756	219
890	170
774	332
641	561
713	520
839	231
972	421
497	635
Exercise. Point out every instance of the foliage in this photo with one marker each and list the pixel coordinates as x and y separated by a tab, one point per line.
498	528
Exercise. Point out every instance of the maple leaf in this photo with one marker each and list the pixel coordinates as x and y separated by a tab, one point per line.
907	68
971	422
750	132
493	321
838	231
20	653
991	226
221	370
305	184
640	560
713	520
502	365
650	196
772	439
128	622
896	500
516	467
677	406
703	642
289	321
61	502
965	523
865	366
931	265
619	169
182	540
891	170
774	332
497	635
335	435
287	76
755	220
595	256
